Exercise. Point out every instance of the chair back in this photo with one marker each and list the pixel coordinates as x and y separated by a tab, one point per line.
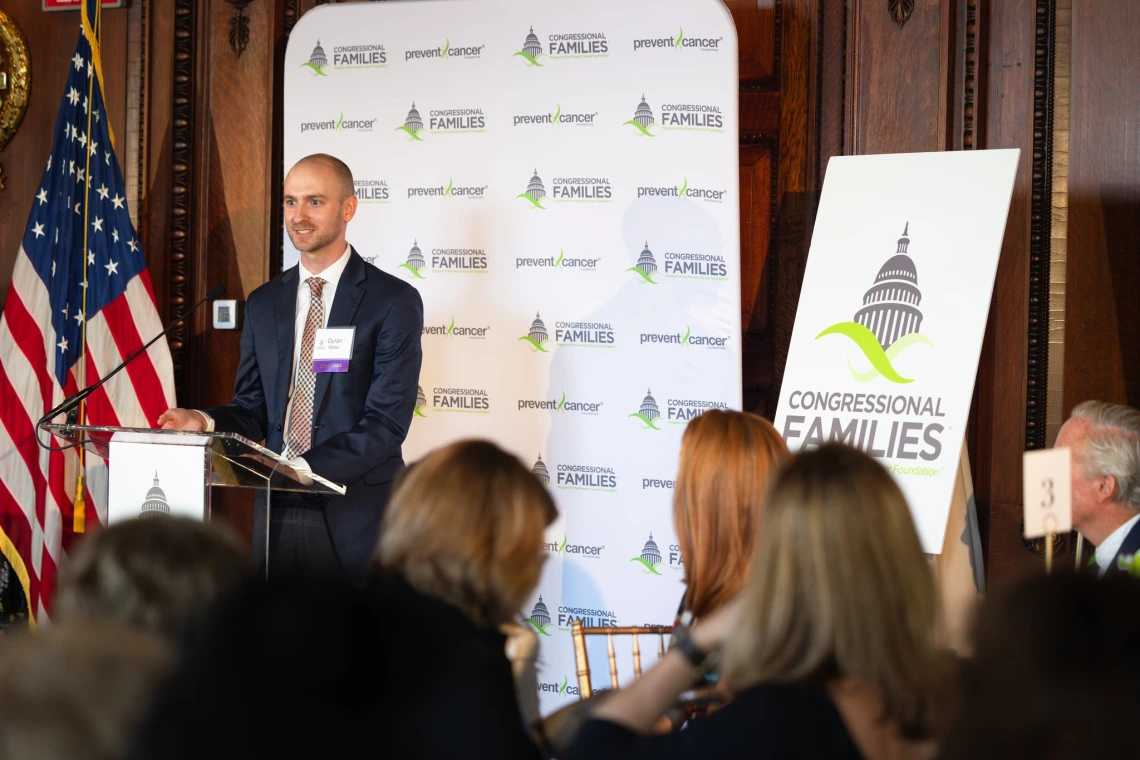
578	634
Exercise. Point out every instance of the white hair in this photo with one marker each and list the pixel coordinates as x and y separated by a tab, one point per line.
1112	446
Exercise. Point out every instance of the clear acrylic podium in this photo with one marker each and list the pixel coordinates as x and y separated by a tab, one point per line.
227	461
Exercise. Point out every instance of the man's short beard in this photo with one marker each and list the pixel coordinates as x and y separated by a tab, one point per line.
317	243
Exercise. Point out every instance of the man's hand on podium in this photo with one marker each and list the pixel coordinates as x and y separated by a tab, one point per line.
182	419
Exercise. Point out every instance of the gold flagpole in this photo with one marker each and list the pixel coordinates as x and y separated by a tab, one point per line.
79	510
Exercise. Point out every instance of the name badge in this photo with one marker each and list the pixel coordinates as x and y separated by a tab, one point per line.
332	349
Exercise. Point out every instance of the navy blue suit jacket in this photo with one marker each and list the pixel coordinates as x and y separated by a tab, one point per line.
361	416
1131	545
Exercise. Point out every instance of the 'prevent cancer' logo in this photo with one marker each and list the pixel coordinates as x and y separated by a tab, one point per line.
889	321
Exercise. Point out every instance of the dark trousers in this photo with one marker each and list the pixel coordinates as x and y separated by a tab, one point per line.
301	540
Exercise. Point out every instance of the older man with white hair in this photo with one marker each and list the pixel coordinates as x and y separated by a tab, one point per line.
1105	443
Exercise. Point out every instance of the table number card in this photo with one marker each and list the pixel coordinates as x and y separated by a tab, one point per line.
1047	492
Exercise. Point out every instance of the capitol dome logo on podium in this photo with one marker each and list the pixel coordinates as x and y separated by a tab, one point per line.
888	322
155	504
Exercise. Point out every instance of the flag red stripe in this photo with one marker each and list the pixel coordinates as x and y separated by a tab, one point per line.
147	387
30	340
20	429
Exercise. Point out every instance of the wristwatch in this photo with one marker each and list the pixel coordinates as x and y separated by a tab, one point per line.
702	662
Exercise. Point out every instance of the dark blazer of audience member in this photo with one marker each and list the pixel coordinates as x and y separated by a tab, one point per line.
1105	443
830	652
461	550
726	460
1054	673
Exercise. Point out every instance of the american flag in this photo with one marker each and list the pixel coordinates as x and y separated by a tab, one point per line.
80	301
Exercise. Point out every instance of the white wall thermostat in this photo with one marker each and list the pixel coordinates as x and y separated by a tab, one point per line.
225	315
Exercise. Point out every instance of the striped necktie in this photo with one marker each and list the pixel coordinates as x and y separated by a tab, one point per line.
301	417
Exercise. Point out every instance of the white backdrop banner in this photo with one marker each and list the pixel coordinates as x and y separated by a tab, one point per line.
560	182
892	314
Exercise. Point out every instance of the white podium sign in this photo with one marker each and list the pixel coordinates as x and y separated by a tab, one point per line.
892	313
156	476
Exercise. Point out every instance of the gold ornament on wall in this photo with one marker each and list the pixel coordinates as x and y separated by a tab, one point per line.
15	80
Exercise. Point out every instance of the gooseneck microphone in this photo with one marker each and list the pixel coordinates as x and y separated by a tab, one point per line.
70	405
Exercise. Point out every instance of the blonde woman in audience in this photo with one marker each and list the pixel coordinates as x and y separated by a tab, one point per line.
726	460
157	574
830	651
461	550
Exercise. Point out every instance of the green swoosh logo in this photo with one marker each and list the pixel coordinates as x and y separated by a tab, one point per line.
684	187
446	47
529	58
340	121
537	204
648	422
419	411
643	275
648	567
680	37
565	681
451	327
412	135
562	547
562	403
643	130
558	263
448	190
554	118
685	339
896	348
869	345
535	344
538	627
316	71
411	269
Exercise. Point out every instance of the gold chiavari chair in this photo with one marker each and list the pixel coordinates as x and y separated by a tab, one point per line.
578	634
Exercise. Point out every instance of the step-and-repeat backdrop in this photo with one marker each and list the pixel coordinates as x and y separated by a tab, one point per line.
560	183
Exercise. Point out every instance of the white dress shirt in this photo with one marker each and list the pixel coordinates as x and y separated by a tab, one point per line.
1111	545
331	276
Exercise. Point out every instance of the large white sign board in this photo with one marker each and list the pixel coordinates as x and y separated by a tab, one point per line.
892	313
560	182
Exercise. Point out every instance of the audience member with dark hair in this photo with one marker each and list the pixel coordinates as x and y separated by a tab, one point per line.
830	651
156	574
1054	674
78	690
726	459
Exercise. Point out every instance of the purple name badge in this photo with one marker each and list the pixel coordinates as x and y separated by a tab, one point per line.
330	365
332	349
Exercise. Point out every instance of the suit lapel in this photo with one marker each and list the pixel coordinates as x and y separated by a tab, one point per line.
345	303
285	319
1129	546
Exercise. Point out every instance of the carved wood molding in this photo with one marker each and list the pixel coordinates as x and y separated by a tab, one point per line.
1041	191
970	76
239	26
900	10
181	193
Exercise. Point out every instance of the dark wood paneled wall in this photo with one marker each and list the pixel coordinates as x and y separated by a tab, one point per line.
1102	324
817	78
51	41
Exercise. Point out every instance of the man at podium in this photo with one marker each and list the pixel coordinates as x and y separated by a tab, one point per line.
330	361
